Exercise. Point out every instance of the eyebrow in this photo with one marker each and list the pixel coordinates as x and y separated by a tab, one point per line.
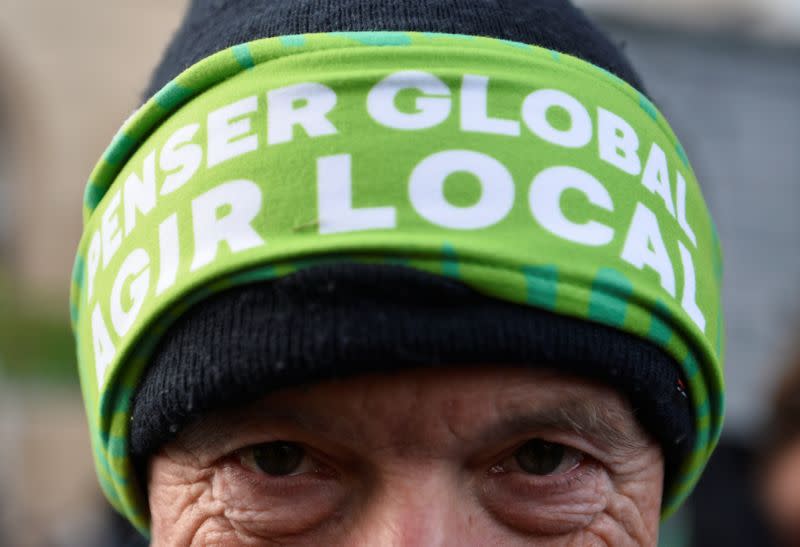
215	430
609	425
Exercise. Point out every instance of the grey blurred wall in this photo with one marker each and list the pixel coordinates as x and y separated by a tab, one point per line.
735	105
70	74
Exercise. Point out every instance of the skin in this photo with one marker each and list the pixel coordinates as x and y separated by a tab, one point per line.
781	490
415	458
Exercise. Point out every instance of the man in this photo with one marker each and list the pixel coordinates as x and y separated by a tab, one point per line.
416	273
780	459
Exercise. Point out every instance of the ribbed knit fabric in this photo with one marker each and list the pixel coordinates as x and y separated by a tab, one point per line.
213	25
338	320
335	321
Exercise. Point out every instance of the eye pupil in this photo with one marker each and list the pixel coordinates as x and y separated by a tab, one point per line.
538	457
278	458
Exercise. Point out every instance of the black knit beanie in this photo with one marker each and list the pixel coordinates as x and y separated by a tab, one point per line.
338	320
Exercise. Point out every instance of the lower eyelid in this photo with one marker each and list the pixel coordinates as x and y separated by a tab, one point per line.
539	485
240	483
236	470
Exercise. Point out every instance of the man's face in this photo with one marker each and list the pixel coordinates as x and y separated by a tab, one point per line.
489	456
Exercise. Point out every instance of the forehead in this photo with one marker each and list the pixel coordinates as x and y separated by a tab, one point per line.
434	406
472	393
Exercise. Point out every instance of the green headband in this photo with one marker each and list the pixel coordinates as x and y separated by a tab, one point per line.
532	176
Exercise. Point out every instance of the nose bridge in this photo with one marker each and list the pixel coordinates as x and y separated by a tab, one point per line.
417	512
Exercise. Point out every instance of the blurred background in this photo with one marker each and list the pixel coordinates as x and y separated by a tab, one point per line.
725	72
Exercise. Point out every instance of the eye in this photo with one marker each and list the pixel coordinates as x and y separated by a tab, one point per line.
277	459
542	458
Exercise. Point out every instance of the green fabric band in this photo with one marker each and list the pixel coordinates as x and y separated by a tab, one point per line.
529	175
